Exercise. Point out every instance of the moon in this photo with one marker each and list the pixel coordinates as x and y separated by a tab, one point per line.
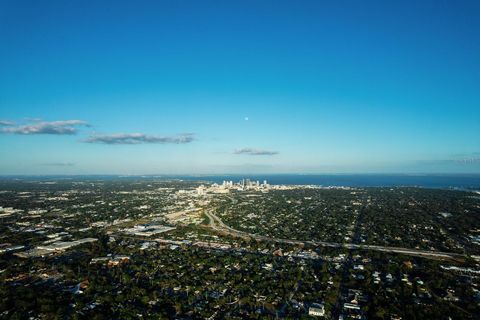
246	118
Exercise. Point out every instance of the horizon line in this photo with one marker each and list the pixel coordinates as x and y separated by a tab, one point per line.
246	174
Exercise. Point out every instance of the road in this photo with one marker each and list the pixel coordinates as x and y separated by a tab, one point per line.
217	224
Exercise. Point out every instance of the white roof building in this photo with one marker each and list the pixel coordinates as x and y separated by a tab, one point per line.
317	310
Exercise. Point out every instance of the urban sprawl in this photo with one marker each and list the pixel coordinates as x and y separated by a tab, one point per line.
148	248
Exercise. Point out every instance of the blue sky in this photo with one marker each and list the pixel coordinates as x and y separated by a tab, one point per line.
89	87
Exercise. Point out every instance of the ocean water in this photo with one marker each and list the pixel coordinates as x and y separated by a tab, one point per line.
356	180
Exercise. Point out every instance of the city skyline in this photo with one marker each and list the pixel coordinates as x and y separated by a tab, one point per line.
239	87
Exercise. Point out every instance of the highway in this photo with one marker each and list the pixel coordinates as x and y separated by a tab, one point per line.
217	224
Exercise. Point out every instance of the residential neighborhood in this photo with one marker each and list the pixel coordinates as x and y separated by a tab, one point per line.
129	248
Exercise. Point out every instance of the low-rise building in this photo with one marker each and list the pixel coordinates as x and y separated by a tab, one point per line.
317	310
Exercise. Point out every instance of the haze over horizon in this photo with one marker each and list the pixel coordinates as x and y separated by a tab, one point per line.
212	87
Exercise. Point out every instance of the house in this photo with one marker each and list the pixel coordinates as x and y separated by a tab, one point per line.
317	309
